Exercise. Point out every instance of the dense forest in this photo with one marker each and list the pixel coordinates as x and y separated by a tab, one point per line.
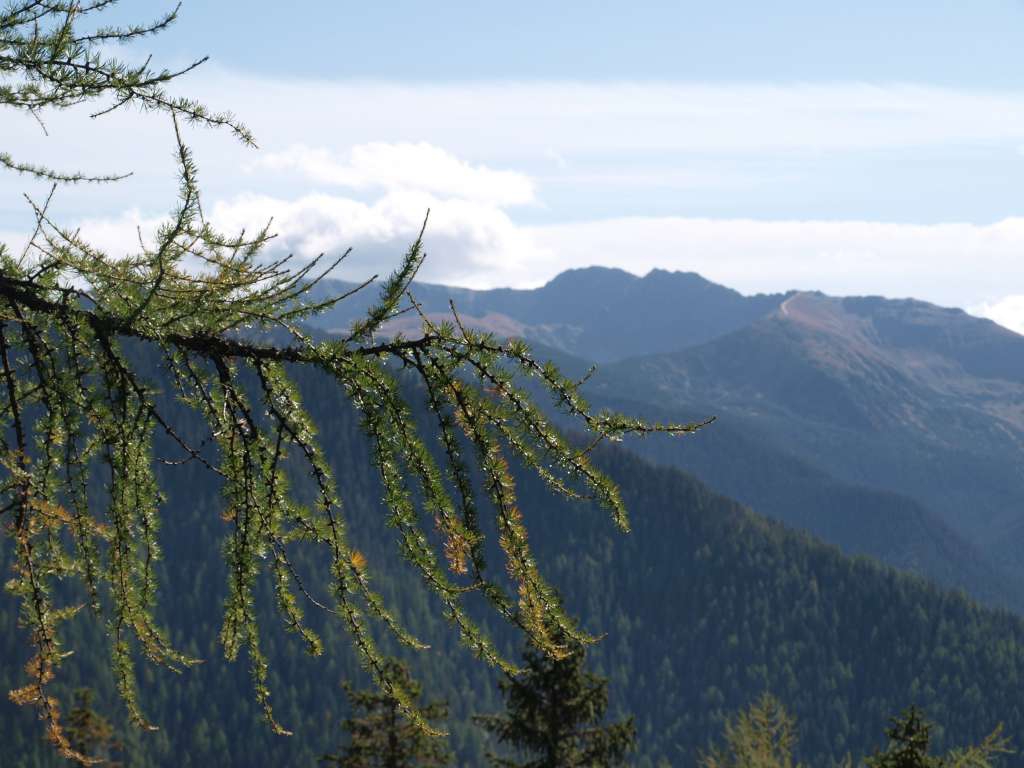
705	606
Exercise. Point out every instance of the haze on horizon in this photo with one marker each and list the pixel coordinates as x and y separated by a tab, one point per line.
867	150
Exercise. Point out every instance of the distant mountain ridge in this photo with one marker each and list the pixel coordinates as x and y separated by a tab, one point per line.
899	395
706	605
596	313
890	427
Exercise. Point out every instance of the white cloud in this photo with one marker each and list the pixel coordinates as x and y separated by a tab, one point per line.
404	166
360	133
1008	312
116	236
388	169
570	119
956	264
479	245
468	242
121	235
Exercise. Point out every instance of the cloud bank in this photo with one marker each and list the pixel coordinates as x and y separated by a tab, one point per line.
357	164
1008	312
621	138
405	166
570	119
478	243
469	242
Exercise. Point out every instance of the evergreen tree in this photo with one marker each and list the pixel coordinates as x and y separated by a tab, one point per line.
554	717
89	733
910	739
221	320
762	736
380	736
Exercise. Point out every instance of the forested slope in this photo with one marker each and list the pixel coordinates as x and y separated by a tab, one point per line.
705	605
884	427
903	396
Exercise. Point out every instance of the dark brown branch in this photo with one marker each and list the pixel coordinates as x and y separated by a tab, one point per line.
208	346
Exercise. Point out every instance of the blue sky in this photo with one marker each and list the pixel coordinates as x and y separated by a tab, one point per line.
947	42
872	147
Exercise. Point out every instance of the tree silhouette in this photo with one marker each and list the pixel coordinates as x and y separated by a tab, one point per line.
89	733
762	736
554	714
910	741
223	320
380	736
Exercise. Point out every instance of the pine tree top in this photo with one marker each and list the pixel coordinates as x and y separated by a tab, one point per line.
380	736
554	717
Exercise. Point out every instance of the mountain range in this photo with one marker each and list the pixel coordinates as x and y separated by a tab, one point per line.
702	607
842	417
891	428
595	314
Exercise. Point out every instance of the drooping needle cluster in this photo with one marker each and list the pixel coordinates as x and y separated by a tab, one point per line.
214	310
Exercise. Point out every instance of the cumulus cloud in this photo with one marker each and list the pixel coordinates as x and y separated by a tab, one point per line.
404	166
471	236
478	244
377	173
116	236
1008	312
120	235
469	242
310	126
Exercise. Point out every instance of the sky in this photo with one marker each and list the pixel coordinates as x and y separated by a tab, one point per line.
857	148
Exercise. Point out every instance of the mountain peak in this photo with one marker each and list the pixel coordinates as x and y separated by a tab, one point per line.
597	313
676	274
592	278
816	311
615	279
910	333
